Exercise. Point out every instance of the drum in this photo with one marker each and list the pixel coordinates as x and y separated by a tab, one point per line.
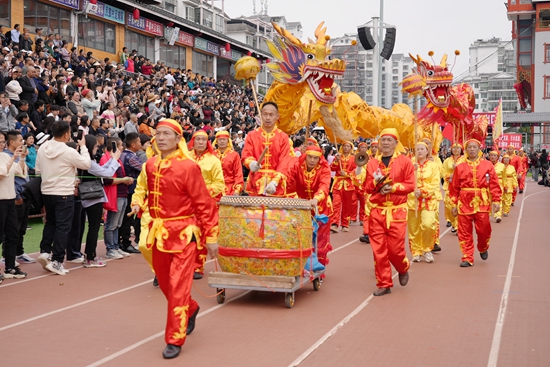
264	235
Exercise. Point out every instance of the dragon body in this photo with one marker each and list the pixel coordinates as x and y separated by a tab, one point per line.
306	91
446	103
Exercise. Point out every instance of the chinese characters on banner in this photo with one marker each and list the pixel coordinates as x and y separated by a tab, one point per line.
510	139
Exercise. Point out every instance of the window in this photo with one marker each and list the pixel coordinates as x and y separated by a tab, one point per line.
546	87
173	56
170	7
51	19
249	40
203	64
96	34
143	44
5	9
394	71
207	18
190	13
546	53
219	24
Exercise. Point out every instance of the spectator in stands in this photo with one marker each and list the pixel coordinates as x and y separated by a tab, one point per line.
89	103
56	162
8	113
30	158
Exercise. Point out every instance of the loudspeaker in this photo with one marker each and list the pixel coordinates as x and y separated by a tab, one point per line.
365	37
389	43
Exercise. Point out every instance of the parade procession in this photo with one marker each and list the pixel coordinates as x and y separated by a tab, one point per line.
256	207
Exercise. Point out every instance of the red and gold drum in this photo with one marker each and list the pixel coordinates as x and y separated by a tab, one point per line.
264	235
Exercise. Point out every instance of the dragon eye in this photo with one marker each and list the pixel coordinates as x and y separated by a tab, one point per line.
431	73
329	57
310	56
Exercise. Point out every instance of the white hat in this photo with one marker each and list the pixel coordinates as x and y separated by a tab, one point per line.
239	132
41	138
6	49
96	63
158	101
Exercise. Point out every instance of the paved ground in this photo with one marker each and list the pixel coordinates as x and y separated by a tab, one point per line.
496	313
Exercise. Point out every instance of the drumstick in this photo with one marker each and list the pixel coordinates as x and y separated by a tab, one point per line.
264	152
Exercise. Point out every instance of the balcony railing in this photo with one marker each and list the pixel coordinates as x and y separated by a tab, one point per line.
543	23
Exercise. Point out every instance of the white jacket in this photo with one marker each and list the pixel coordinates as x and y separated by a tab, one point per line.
56	162
14	90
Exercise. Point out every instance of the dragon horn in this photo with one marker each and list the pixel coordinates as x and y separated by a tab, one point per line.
443	62
320	34
416	60
287	35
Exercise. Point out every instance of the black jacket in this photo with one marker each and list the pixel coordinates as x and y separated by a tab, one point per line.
28	90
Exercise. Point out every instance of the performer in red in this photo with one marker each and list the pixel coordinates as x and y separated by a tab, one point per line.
204	155
518	166
390	178
475	184
309	179
269	175
524	159
184	217
231	164
343	188
359	193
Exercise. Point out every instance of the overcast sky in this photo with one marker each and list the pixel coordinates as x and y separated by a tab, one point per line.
422	25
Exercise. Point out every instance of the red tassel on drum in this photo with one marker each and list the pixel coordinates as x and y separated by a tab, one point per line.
262	226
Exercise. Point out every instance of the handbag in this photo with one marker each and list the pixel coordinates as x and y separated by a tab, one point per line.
89	190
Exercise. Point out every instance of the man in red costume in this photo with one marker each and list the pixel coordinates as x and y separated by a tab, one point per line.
390	178
309	178
343	188
184	216
475	184
524	159
359	193
231	164
204	155
269	175
515	161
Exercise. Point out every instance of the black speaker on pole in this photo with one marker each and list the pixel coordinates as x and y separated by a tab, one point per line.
389	43
365	37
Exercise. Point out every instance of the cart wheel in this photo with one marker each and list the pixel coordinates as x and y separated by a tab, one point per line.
316	284
221	296
289	300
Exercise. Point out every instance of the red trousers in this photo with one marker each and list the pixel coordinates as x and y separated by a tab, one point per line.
465	235
366	225
174	273
388	246
200	259
342	207
358	198
323	243
521	181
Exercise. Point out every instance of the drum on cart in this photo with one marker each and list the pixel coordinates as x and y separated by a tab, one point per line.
264	236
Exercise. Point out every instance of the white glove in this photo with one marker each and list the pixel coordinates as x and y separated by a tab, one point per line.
358	170
271	188
378	175
255	167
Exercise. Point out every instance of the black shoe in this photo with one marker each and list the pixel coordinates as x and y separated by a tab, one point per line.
521	191
404	279
465	264
364	238
484	255
197	275
436	248
155	282
191	322
512	204
453	230
14	273
171	351
499	220
449	224
381	291
131	250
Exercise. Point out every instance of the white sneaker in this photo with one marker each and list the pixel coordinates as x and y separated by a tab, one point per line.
345	229
428	257
417	259
123	253
26	259
57	268
3	261
78	260
44	259
113	254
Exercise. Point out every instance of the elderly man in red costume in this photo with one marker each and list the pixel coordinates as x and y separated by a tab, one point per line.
390	178
231	164
204	155
267	176
309	179
475	184
184	217
524	159
515	161
343	188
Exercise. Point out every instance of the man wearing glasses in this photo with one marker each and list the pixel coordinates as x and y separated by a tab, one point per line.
8	112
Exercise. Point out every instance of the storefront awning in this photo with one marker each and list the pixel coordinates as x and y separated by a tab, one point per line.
525	118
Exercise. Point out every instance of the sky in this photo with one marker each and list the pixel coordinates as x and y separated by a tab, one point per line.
422	25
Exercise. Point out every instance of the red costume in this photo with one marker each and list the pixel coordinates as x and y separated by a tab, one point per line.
388	214
474	185
314	184
275	164
516	161
231	166
184	218
525	168
343	189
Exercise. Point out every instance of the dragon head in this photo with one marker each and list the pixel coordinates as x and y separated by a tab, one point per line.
433	81
296	62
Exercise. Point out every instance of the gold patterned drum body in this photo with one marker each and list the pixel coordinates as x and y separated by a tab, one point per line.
264	235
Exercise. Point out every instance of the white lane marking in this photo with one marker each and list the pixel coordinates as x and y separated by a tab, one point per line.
338	326
157	335
497	335
72	306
